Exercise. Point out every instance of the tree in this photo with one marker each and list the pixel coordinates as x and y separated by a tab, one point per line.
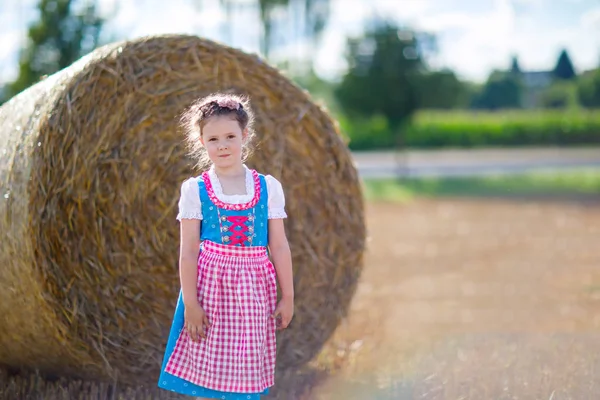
267	11
60	37
502	90
316	16
560	94
309	23
515	68
441	90
564	68
321	90
588	89
381	79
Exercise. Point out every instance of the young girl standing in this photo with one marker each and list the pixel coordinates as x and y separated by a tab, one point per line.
222	340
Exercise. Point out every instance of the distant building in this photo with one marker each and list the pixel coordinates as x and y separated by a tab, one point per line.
536	79
534	83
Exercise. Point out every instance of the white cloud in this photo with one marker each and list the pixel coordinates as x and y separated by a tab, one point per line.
591	19
15	16
473	43
402	11
107	7
347	18
470	42
157	17
207	20
535	3
440	22
538	48
11	43
9	54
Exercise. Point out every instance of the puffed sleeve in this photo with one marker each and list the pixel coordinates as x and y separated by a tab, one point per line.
189	201
276	198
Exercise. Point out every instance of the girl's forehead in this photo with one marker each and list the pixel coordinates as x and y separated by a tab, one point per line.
220	125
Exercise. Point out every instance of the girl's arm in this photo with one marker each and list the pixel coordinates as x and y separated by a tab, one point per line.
282	258
188	260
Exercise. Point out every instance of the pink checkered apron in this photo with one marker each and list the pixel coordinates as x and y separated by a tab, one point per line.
237	290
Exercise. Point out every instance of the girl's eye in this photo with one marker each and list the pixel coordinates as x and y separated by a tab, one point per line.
231	136
212	139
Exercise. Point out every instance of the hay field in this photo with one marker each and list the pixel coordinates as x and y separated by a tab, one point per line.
467	299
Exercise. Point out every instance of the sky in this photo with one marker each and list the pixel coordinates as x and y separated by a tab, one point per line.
474	36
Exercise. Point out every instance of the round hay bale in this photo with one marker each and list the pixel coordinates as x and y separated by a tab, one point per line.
91	166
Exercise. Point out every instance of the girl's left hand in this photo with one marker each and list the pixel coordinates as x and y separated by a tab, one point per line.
285	312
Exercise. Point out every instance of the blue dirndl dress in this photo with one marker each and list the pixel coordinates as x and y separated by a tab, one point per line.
212	230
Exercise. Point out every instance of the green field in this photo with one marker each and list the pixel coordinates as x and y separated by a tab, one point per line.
508	128
470	129
580	182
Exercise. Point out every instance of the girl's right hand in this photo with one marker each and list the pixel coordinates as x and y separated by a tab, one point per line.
196	321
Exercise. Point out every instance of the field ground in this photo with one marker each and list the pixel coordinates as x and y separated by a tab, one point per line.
470	299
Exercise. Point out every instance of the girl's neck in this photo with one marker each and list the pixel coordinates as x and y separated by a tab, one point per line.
231	171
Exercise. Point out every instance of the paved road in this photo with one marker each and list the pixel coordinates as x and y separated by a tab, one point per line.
473	162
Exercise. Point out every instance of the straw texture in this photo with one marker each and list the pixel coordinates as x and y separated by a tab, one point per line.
90	168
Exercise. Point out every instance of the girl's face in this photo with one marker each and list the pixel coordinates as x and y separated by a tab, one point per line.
223	138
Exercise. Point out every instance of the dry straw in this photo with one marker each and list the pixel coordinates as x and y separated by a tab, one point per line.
26	385
90	168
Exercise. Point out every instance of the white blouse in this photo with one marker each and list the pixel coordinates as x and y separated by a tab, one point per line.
191	208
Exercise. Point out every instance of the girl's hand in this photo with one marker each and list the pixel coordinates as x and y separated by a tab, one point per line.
284	312
195	321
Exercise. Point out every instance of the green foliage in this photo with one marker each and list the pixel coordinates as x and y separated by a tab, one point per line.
60	37
365	133
588	89
383	67
320	90
442	90
561	94
502	90
583	182
564	67
514	128
437	129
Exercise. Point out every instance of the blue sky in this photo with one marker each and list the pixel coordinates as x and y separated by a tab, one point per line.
474	36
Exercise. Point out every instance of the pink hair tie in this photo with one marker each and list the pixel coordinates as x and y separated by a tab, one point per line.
228	103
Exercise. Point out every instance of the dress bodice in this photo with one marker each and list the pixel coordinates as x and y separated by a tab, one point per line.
234	224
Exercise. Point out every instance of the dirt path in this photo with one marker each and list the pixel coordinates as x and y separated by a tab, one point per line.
474	300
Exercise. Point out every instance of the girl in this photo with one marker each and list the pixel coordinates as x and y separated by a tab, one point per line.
222	341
